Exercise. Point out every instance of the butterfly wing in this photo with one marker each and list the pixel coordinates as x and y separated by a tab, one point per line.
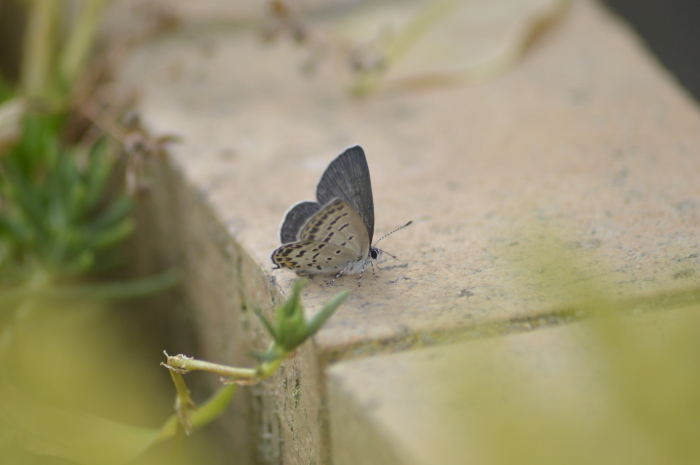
332	238
338	224
295	218
312	257
347	178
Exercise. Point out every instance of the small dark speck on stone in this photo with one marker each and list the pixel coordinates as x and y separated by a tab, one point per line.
684	274
587	244
590	244
466	293
686	205
619	178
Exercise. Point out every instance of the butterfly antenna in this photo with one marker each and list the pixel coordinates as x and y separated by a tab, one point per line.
392	232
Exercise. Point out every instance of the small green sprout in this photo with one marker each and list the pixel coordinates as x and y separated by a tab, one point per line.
289	331
290	327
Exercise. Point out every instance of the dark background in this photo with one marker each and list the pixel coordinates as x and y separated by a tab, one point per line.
671	29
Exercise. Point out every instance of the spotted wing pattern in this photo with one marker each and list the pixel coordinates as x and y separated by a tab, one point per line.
329	241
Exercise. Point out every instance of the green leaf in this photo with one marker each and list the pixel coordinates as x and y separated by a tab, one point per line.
25	197
326	312
268	356
266	323
291	323
109	291
99	169
292	329
110	236
115	212
78	264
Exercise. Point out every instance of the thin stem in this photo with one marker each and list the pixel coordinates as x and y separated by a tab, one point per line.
184	363
267	369
39	48
421	23
184	406
80	42
11	112
107	291
205	413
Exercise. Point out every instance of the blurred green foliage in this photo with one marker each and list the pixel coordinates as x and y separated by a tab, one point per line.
74	387
7	90
55	214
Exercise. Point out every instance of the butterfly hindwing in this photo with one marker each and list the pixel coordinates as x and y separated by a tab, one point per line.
347	178
295	218
311	257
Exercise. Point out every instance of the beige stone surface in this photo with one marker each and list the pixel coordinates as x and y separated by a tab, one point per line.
594	392
585	134
586	142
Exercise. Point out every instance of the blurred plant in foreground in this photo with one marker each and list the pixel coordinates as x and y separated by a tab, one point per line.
289	330
63	218
55	217
618	386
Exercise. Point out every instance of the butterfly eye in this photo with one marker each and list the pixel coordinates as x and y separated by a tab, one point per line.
373	253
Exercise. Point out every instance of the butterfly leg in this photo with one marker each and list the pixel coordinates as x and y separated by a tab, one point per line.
373	273
336	277
359	281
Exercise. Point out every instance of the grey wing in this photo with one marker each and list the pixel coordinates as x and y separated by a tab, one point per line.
338	225
295	218
312	257
347	178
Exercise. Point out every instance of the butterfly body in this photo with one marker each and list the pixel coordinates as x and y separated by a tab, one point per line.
334	234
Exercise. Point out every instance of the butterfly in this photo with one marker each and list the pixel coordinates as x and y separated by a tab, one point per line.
334	234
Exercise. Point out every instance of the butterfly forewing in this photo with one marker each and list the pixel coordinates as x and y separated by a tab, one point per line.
338	224
347	178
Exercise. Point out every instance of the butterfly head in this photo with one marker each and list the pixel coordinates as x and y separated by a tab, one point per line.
375	252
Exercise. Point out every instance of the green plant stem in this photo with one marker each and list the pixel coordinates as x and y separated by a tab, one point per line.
247	376
11	112
184	405
421	23
204	414
80	42
184	363
268	368
109	291
39	49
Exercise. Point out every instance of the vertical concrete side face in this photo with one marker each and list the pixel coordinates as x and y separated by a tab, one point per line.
591	392
271	423
355	439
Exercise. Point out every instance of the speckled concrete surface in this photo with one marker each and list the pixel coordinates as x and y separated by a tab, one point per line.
586	134
585	393
586	143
